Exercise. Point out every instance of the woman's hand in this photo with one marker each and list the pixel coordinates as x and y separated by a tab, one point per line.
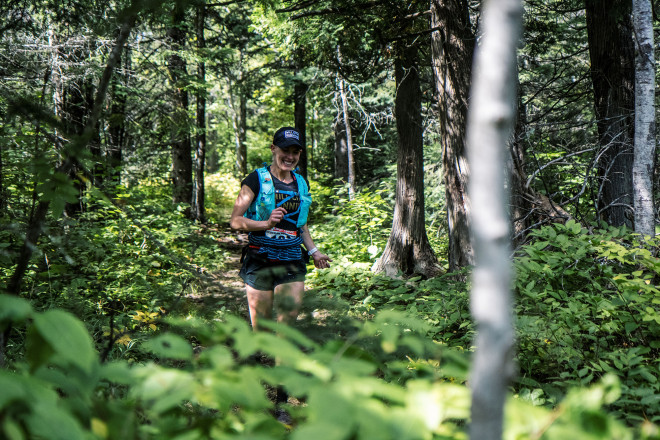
321	260
276	216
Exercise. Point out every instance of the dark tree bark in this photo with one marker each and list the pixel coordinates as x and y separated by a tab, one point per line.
76	105
408	249
521	203
198	207
117	127
609	31
181	144
3	194
452	47
300	119
527	208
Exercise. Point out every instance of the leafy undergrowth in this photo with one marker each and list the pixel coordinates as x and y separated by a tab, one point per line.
405	388
165	354
587	307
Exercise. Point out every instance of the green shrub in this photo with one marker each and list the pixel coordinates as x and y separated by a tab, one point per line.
213	390
587	305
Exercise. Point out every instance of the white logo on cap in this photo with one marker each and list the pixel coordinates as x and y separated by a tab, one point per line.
291	134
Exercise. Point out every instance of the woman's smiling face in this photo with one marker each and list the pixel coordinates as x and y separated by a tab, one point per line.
286	158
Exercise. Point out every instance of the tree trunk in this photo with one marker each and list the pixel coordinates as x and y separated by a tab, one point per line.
239	117
408	249
611	50
300	119
3	194
240	132
452	47
76	106
182	185
644	157
341	150
490	123
352	188
521	208
117	125
198	207
315	139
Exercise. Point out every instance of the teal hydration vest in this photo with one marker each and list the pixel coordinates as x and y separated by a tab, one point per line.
264	202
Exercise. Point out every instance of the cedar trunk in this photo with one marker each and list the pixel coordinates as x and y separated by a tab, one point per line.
117	125
452	47
182	181
408	249
609	30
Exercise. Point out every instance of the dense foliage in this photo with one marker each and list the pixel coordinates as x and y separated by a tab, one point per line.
372	357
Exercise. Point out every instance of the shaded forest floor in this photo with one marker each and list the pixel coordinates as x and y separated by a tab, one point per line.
222	289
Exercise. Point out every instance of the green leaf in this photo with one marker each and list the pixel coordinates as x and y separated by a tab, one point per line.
51	422
170	346
13	309
163	388
66	336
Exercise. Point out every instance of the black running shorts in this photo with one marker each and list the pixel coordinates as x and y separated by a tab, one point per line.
266	275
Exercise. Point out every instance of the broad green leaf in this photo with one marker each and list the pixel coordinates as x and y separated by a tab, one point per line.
67	337
51	422
13	309
170	346
163	388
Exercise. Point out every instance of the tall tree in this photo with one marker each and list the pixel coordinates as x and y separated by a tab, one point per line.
452	46
198	207
117	134
3	195
491	121
237	103
644	157
408	249
341	149
350	157
300	88
611	50
182	180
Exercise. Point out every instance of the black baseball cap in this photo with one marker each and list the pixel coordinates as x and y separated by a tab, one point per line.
286	137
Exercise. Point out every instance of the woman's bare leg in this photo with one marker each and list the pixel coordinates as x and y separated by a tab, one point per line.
289	298
260	303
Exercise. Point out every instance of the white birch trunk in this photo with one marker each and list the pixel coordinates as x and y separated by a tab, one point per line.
644	141
491	119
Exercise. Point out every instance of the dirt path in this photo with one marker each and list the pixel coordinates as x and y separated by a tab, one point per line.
224	289
322	317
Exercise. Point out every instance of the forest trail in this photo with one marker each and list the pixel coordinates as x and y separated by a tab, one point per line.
321	316
223	288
